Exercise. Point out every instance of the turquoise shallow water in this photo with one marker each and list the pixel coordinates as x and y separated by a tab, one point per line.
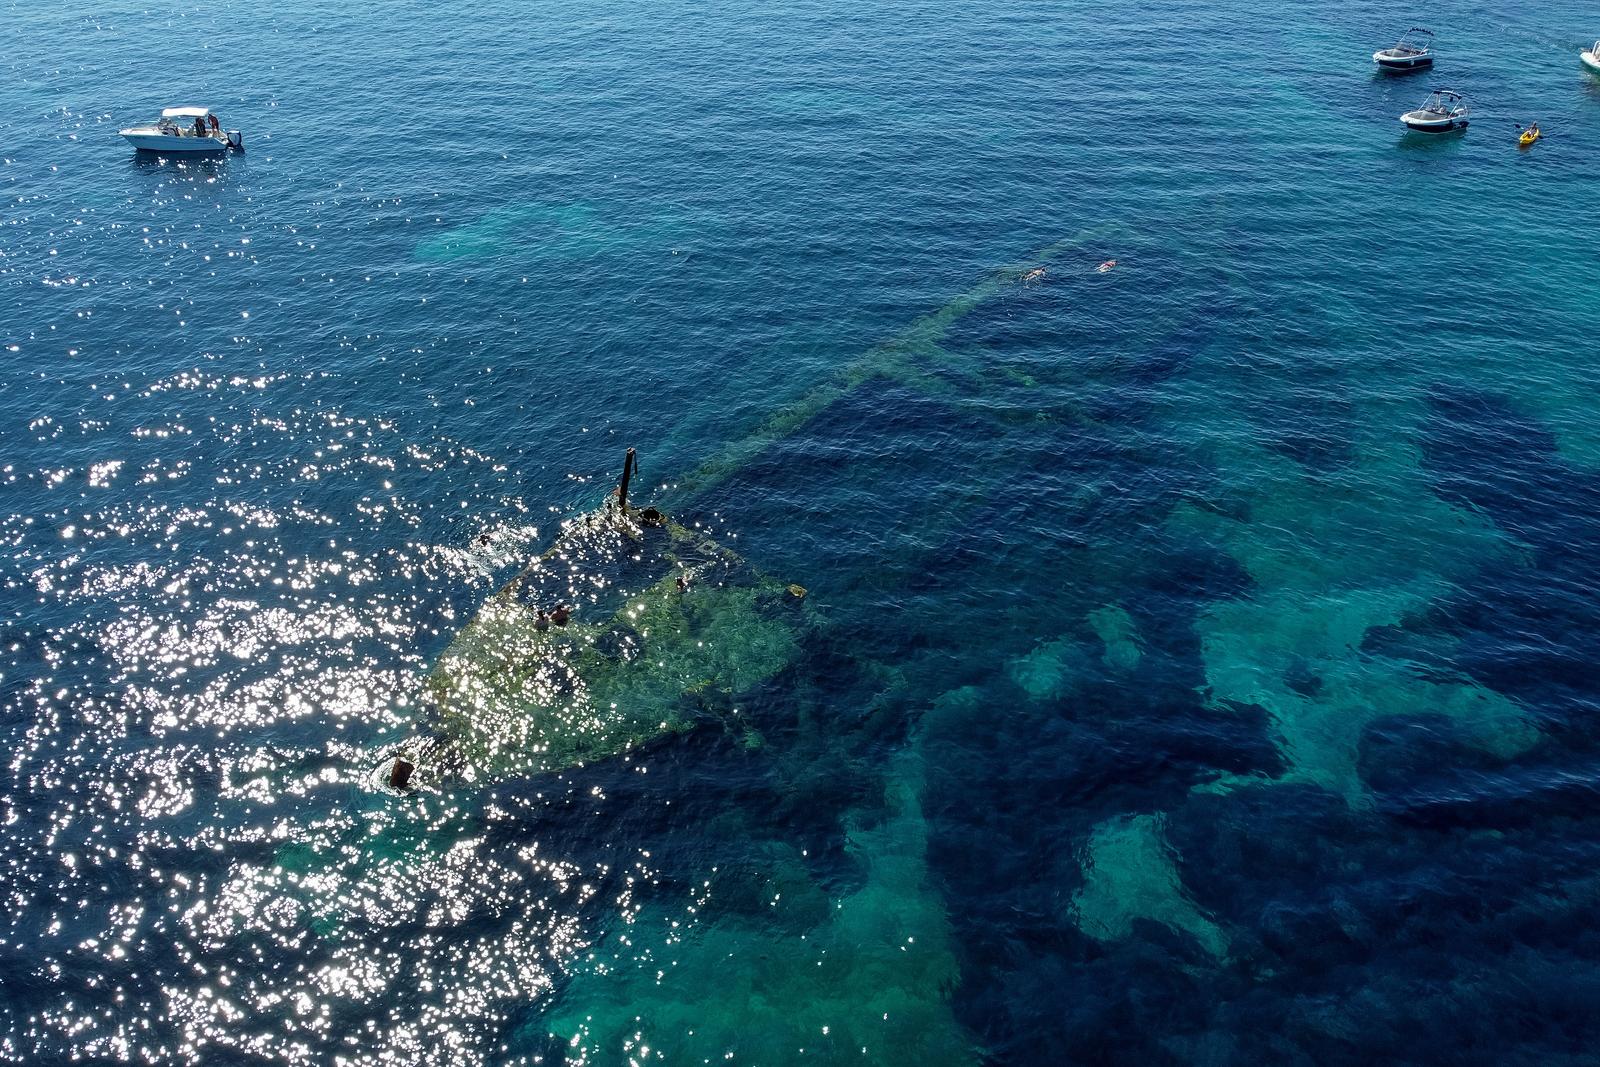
1198	665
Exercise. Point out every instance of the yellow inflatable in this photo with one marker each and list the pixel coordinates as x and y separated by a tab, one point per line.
1529	135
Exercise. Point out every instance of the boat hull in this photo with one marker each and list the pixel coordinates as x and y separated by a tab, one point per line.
1591	60
1388	61
170	144
1432	123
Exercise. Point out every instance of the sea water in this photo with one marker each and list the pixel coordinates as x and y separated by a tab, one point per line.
1204	665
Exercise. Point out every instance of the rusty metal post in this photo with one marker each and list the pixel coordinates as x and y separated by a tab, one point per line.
630	463
400	772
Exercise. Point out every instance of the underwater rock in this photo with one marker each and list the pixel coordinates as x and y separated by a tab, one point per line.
551	232
1332	563
1051	669
864	980
1118	632
1130	873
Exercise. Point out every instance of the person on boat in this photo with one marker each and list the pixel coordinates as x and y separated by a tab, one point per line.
199	126
216	127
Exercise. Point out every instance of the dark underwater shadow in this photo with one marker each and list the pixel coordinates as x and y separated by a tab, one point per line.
1531	632
177	168
1432	144
1387	76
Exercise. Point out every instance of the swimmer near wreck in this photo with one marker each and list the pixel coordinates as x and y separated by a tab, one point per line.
1037	274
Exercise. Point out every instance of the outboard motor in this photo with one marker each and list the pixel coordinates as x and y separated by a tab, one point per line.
236	140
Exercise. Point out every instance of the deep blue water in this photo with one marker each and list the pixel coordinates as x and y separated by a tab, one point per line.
1205	665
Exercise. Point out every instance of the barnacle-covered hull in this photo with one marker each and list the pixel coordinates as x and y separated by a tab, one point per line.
668	630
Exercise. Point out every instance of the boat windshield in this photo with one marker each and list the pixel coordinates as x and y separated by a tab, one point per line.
1444	102
1413	42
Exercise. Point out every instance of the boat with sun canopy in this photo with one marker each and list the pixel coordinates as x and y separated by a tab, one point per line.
184	129
1444	110
1412	52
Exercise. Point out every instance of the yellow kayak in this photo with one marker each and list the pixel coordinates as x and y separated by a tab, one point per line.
1528	137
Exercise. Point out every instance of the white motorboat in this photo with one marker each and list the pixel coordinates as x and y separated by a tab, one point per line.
1444	110
1412	52
1591	58
184	129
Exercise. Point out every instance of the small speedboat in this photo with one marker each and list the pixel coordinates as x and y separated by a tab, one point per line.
1444	110
1591	58
184	129
1411	52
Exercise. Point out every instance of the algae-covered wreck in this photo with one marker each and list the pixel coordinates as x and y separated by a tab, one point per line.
670	630
519	692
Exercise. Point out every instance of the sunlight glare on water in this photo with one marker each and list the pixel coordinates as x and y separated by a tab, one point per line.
1125	594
